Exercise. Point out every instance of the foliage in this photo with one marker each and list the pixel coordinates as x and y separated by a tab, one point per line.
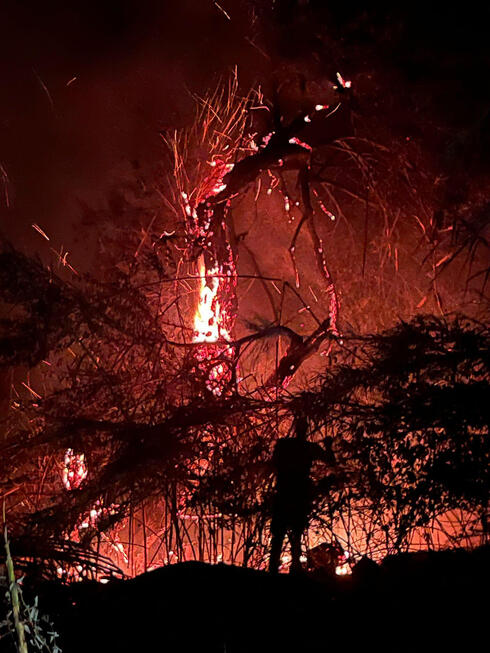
407	419
405	409
115	374
23	628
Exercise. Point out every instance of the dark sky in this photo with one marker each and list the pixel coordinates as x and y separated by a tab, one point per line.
134	63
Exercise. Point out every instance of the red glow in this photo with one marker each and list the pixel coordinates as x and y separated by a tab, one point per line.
75	470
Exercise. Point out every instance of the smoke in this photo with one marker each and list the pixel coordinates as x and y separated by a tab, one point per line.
86	90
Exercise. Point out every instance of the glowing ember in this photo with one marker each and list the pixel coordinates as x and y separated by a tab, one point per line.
74	473
343	570
343	567
296	141
342	83
75	470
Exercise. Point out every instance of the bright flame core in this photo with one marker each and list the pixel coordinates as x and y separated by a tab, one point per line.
75	469
208	322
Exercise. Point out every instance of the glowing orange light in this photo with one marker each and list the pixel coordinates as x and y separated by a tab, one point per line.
208	325
343	570
75	470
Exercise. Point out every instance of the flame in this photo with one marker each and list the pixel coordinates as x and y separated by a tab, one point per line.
208	322
210	327
343	567
75	469
343	570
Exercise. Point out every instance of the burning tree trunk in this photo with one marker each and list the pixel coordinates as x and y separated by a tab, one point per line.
207	211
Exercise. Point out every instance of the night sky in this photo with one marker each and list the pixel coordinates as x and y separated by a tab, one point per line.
86	88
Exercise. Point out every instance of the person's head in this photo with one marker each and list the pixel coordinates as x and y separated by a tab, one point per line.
300	427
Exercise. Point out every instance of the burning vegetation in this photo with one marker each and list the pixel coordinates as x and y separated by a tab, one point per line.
151	396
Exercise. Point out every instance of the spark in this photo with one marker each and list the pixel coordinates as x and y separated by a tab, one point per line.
314	296
70	81
295	141
45	89
222	10
39	230
259	49
334	110
342	83
259	186
62	258
34	394
5	180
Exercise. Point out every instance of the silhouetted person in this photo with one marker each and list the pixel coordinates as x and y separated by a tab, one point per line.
293	458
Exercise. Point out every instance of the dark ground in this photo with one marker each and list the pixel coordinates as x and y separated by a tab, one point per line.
411	603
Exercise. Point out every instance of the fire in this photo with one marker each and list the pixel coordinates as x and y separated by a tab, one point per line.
208	322
75	469
213	319
343	570
210	327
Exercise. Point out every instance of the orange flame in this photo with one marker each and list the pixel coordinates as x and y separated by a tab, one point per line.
208	322
74	470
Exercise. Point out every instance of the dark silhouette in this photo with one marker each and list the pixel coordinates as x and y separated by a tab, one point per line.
292	459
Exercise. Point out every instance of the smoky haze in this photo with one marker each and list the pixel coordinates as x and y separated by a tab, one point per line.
86	89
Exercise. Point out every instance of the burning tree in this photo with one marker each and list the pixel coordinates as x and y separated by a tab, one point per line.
143	429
